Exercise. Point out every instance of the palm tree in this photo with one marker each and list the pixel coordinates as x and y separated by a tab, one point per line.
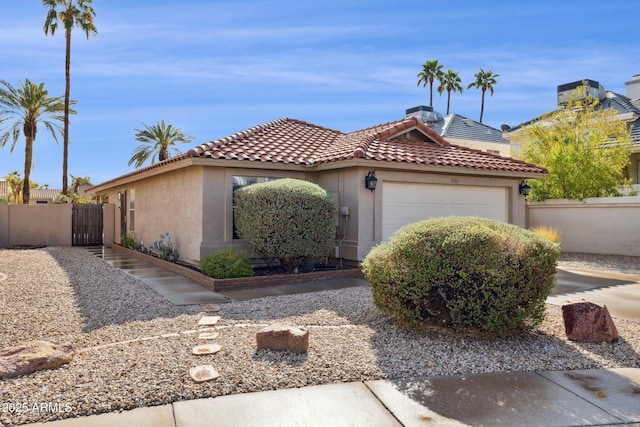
72	13
158	141
15	182
431	71
23	108
449	81
484	80
78	181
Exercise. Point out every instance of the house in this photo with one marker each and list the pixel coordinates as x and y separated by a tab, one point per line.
418	173
627	107
36	195
460	130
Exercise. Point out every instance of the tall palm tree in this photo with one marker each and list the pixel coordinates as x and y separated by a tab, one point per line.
72	13
484	80
23	108
431	71
158	141
449	81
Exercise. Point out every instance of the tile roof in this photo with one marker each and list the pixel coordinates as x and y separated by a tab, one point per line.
296	142
457	126
403	141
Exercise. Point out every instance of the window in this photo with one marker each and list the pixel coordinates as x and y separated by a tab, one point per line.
238	183
132	211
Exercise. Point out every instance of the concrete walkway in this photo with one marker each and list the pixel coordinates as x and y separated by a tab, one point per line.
183	291
553	398
568	398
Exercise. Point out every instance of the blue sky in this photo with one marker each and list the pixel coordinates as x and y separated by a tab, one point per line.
213	68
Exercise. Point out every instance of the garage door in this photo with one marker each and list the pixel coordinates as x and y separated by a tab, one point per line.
404	203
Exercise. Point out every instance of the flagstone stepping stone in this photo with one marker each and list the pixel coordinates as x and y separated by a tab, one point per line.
208	320
206	349
203	373
211	308
208	335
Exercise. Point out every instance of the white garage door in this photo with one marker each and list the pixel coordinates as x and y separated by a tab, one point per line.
404	203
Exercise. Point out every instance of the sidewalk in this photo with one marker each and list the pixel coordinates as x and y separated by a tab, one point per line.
568	398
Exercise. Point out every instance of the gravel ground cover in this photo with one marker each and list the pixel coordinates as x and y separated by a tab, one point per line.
134	347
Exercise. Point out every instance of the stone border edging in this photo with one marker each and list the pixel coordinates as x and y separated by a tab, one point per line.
219	285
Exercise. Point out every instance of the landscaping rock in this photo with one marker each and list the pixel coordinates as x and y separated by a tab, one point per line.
206	349
211	308
33	356
208	335
208	320
588	322
203	373
281	336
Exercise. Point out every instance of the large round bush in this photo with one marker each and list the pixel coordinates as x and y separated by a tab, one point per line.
288	219
465	273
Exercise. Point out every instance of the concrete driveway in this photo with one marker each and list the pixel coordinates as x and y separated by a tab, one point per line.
619	292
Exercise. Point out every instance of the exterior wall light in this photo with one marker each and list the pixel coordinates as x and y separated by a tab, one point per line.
370	181
524	188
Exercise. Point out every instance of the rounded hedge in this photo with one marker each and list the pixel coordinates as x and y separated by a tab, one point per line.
226	263
288	219
464	273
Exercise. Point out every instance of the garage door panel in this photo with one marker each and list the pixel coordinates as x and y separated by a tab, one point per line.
404	203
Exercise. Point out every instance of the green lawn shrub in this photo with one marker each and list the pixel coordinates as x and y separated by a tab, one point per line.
288	219
227	263
468	274
128	240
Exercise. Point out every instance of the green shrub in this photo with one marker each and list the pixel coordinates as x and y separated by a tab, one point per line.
287	219
226	263
465	273
128	240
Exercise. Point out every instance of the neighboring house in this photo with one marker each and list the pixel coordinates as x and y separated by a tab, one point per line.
463	131
628	108
36	195
419	174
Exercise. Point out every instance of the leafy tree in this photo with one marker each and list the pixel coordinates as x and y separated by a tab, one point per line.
23	108
449	81
158	141
583	147
71	13
16	182
77	181
484	80
431	71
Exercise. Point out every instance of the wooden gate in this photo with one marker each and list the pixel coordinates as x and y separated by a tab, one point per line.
86	228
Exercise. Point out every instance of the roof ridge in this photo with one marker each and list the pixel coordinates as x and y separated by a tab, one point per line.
198	150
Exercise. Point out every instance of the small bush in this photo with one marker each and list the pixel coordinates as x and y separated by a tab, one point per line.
465	273
226	263
549	233
128	240
287	219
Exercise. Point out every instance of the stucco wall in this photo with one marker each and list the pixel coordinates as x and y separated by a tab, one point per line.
48	225
4	224
217	224
607	225
45	224
194	203
171	202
